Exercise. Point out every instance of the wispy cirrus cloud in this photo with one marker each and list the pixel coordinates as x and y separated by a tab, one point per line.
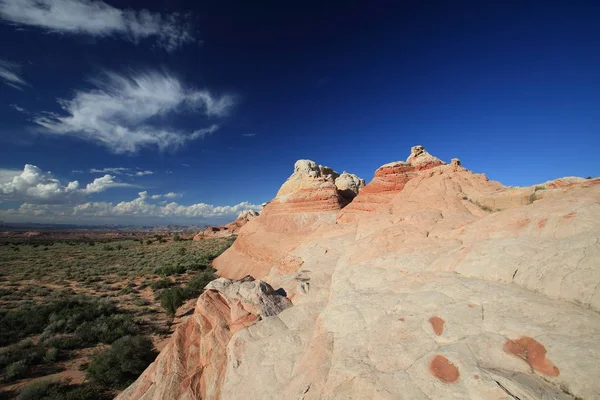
10	74
249	134
19	109
99	19
121	171
120	112
38	187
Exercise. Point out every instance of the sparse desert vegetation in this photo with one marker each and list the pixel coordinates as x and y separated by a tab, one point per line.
82	318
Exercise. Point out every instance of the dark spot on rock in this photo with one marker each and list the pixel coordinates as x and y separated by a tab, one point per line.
437	324
475	376
401	319
443	369
570	215
533	353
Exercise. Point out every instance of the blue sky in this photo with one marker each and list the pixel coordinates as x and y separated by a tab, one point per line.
190	111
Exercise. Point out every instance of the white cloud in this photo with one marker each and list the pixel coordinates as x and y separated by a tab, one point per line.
9	74
19	109
170	195
115	170
140	208
98	19
35	186
121	171
249	134
7	175
142	173
118	111
101	184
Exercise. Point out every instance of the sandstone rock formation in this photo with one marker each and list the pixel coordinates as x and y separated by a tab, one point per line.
230	229
433	283
348	185
192	365
308	199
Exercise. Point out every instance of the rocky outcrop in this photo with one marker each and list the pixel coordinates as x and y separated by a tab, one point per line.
349	185
192	365
440	284
309	199
391	178
228	230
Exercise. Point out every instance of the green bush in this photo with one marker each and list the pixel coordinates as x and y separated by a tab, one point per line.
171	299
199	281
120	365
15	370
171	270
106	329
20	355
51	355
161	284
57	390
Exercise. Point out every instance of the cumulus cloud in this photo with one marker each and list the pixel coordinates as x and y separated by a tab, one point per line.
98	19
10	75
7	175
119	111
35	186
141	207
170	195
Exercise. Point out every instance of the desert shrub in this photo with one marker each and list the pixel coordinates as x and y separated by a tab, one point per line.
140	302
16	359
51	355
198	266
16	370
62	315
161	284
171	299
122	363
65	342
106	329
198	282
69	314
170	270
57	390
107	247
176	238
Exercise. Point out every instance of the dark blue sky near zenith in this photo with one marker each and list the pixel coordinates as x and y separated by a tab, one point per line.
190	111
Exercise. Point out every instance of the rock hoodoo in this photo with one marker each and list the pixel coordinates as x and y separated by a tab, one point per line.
433	283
